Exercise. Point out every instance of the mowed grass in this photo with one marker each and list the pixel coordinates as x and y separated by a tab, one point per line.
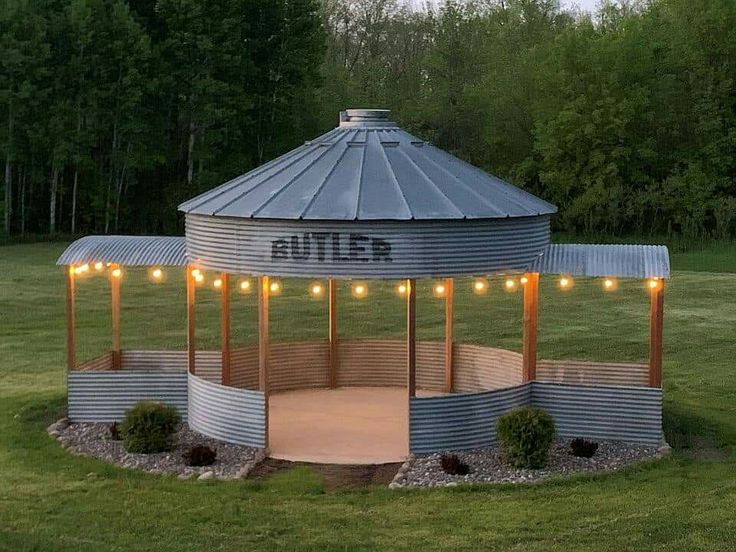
51	500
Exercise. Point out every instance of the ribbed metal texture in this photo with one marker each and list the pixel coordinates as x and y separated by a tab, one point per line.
102	362
105	396
208	364
299	365
367	169
232	415
592	373
244	367
126	250
478	368
381	249
624	261
461	421
632	414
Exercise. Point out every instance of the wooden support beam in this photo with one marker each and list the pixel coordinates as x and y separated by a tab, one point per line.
225	329
531	319
71	320
656	325
411	337
191	321
449	339
332	293
263	343
115	300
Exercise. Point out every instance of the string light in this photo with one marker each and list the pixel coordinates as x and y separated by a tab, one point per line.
199	277
510	284
81	269
116	273
359	290
316	289
523	280
99	266
440	290
609	284
401	289
156	274
244	286
196	273
653	284
566	282
275	287
480	286
217	283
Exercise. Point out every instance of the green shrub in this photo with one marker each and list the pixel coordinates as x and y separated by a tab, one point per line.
149	427
526	435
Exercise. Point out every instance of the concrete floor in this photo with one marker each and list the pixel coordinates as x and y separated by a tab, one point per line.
348	425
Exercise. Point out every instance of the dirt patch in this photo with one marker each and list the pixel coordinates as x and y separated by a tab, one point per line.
335	476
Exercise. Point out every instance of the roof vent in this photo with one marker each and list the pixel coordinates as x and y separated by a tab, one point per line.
365	118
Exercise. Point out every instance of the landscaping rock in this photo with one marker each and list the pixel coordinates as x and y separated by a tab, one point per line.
93	439
206	475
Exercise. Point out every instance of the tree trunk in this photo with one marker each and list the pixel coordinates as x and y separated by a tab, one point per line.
52	199
119	190
9	174
23	203
74	201
190	157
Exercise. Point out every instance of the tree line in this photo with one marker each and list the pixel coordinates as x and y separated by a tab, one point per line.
113	111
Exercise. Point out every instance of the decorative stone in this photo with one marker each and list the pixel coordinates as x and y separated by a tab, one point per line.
206	475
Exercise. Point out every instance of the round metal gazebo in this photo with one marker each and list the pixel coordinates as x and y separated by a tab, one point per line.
368	201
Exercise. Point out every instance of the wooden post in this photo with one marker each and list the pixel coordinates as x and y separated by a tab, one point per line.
449	321
71	323
332	292
115	300
191	321
411	337
263	342
656	323
531	317
225	329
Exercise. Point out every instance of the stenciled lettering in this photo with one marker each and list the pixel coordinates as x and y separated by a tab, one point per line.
344	248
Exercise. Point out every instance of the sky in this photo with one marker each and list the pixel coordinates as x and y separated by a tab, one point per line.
587	5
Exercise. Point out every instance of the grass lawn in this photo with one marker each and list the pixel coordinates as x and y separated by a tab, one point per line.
50	500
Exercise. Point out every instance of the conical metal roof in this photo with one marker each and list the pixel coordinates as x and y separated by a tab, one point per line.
367	169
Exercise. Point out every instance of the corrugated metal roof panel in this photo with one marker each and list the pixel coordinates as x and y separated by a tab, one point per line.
127	250
625	261
367	169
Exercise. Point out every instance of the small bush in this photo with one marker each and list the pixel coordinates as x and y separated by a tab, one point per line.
149	427
115	432
526	435
583	448
200	455
453	465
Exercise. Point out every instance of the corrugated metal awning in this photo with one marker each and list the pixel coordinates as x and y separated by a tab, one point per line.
127	251
625	261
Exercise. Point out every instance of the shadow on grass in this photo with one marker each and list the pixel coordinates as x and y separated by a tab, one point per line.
691	435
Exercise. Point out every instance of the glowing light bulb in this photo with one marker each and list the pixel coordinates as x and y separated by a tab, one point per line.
566	282
275	288
523	280
157	274
196	273
609	284
244	285
116	273
480	286
440	290
199	277
360	290
401	289
316	289
509	284
217	283
653	283
99	266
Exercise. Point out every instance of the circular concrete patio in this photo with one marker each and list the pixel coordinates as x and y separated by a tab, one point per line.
347	425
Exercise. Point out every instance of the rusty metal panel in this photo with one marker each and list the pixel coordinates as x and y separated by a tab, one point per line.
625	261
233	415
208	364
244	367
593	373
631	414
367	169
127	250
95	396
298	365
380	249
102	362
461	421
372	362
478	368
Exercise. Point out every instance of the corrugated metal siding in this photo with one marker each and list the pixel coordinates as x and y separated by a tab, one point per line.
372	362
299	365
478	368
367	170
430	365
593	373
418	249
625	261
105	396
632	414
244	367
460	421
127	250
102	362
208	364
233	415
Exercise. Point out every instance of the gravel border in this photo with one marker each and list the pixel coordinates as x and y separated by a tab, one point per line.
93	439
487	465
